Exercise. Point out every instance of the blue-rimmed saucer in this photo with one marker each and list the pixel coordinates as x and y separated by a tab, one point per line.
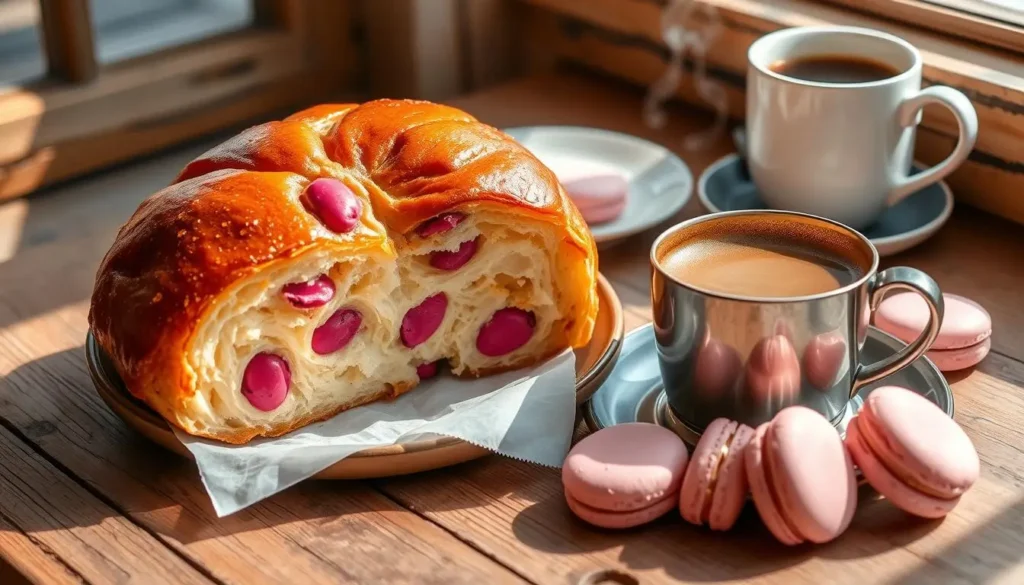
633	392
725	187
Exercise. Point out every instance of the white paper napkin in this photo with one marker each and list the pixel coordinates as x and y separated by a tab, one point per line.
526	414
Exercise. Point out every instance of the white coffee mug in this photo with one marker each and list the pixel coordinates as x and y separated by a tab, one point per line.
842	150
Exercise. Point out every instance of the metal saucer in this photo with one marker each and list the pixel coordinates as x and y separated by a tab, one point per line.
634	392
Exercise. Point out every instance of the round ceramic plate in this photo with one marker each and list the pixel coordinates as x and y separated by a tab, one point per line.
724	186
660	183
593	365
634	391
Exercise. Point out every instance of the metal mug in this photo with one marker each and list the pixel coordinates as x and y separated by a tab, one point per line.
747	357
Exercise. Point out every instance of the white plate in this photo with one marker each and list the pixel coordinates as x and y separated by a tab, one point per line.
660	183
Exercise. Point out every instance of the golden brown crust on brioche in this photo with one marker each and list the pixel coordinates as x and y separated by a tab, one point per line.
236	210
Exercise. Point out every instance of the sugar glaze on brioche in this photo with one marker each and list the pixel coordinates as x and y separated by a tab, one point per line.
331	259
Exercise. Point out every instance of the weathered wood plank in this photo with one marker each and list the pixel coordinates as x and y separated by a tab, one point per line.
23	561
89	537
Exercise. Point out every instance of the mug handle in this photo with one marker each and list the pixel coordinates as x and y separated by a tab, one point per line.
966	120
912	279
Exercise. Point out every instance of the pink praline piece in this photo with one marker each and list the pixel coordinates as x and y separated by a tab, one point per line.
507	330
337	331
334	204
455	259
440	224
310	294
421	321
426	370
266	381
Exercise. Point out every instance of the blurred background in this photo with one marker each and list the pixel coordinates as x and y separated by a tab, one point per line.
87	84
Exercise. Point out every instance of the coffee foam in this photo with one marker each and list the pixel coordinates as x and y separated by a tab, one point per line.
814	235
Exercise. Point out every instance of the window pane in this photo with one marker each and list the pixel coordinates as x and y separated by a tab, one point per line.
1008	11
130	28
21	53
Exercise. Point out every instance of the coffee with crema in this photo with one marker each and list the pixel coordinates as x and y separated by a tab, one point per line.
758	266
756	311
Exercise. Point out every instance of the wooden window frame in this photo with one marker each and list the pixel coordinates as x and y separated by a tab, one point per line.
622	38
943	20
82	117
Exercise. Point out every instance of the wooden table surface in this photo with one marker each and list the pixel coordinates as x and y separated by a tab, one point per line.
85	499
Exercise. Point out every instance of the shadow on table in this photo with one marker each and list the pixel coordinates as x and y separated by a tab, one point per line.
689	553
476	500
53	415
50	404
683	551
996	365
989	550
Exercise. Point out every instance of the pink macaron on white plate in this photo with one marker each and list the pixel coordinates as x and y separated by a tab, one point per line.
621	184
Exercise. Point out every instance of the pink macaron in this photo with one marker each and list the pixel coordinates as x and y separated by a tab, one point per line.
715	488
619	520
964	337
951	360
801	477
912	452
625	475
599	197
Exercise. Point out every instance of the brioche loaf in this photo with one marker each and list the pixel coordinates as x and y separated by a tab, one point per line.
334	258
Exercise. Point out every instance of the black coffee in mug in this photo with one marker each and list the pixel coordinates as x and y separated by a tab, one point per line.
834	69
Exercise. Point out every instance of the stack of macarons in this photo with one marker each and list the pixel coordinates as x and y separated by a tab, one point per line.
600	197
796	468
964	338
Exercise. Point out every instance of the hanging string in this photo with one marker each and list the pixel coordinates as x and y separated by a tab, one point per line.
681	42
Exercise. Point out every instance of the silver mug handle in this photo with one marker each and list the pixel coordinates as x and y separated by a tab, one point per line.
912	279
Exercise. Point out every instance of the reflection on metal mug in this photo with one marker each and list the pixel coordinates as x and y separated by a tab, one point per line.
747	357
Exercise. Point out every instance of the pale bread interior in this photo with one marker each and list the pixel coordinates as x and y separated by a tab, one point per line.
516	265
